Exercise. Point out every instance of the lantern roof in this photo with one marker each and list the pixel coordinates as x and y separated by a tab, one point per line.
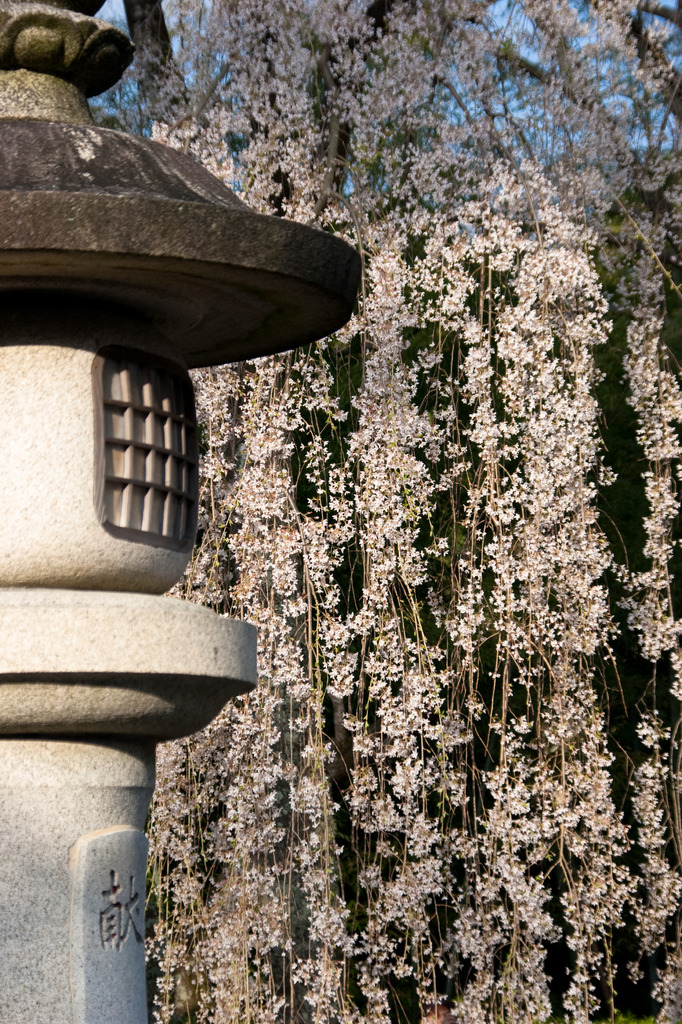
98	214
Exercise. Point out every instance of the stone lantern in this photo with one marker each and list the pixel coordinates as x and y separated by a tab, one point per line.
122	265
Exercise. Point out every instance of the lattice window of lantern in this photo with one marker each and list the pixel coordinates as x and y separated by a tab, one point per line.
146	466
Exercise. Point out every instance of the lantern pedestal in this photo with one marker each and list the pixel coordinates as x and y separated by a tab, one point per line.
113	663
72	878
89	681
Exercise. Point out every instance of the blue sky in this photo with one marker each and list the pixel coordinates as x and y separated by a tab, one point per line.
112	11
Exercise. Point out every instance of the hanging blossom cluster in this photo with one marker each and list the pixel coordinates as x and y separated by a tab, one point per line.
529	588
424	796
656	398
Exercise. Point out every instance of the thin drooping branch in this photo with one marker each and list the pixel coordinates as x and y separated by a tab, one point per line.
204	99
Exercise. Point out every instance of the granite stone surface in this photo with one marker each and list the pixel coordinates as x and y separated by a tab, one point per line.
54	794
108	872
89	161
117	663
60	45
88	211
30	95
51	532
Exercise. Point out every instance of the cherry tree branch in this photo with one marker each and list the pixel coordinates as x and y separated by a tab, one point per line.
670	79
334	134
660	11
147	26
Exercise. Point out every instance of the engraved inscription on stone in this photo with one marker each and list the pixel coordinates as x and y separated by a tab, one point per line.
108	870
117	922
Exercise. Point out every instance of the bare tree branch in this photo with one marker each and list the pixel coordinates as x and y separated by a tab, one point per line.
334	134
147	27
439	80
669	79
341	763
378	11
529	66
668	13
205	97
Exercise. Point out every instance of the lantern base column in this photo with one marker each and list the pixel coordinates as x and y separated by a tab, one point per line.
72	878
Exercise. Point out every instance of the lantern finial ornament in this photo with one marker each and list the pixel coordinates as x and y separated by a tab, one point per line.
54	56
